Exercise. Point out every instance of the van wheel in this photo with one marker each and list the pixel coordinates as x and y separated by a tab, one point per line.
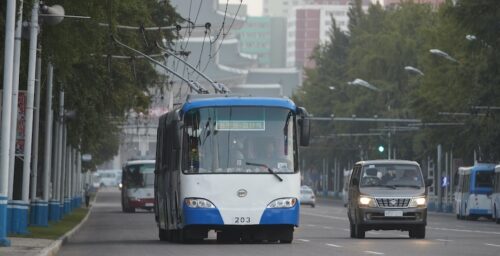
359	231
353	232
417	232
497	218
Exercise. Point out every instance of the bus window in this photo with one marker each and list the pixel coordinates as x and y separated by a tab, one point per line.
139	176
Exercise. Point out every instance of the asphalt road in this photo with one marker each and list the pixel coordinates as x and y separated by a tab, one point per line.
324	230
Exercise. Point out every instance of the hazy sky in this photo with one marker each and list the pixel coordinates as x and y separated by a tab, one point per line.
254	6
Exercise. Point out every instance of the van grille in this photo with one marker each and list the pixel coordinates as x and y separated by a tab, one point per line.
393	202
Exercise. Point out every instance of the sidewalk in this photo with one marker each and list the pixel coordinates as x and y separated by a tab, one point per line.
40	247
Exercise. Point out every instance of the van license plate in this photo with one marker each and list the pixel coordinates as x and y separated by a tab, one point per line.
393	213
149	204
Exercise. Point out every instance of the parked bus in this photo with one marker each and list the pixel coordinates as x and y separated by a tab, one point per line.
495	198
473	195
138	185
229	164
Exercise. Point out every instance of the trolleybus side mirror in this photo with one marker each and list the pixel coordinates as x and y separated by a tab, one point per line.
428	182
355	181
177	134
304	126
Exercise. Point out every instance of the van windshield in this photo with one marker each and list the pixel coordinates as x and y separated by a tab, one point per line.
391	175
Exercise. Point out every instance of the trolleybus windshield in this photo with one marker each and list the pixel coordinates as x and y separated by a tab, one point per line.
225	139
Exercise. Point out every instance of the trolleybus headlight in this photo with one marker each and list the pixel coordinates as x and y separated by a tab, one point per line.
418	201
198	203
283	203
367	201
120	185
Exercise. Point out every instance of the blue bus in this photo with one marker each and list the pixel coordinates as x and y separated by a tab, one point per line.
474	190
229	164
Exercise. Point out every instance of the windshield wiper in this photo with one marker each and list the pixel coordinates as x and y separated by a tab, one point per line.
268	169
409	186
383	186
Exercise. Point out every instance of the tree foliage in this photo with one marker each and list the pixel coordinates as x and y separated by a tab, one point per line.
380	43
100	89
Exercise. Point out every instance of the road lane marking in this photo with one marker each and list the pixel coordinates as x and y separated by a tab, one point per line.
327	227
372	252
304	240
346	229
444	240
496	245
311	225
326	216
466	230
335	245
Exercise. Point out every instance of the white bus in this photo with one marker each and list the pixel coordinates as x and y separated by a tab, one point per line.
473	194
495	198
138	185
229	164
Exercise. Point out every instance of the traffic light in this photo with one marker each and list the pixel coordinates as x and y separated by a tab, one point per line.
381	148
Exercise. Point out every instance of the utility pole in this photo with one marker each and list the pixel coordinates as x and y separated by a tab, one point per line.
43	213
35	203
28	132
16	213
6	115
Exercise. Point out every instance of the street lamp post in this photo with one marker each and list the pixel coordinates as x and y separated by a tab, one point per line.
363	83
414	70
6	115
442	54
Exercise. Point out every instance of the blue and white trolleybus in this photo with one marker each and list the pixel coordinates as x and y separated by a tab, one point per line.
229	164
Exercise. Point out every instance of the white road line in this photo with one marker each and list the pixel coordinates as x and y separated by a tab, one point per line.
346	229
304	240
335	245
326	216
311	225
466	230
327	227
372	252
444	240
496	245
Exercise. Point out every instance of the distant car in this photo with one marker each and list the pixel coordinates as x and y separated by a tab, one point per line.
109	178
307	196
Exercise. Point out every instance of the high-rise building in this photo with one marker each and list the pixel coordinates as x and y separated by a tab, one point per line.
263	37
308	26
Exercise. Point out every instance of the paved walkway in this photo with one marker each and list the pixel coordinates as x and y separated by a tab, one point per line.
25	246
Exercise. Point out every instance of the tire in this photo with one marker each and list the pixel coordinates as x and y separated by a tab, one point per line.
287	236
359	231
497	218
313	205
353	232
163	234
417	232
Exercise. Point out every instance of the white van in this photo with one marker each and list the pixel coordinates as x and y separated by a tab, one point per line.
109	178
495	197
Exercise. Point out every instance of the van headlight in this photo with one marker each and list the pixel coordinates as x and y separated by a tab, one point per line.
367	201
283	203
418	202
198	203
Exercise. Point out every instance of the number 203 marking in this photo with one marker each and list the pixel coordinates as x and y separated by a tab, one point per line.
241	220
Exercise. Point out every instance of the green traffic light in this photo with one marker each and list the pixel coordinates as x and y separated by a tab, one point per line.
380	149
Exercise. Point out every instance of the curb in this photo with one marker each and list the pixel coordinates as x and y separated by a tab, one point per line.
55	246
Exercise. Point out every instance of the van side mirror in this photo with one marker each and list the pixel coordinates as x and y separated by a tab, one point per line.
304	126
355	181
428	182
